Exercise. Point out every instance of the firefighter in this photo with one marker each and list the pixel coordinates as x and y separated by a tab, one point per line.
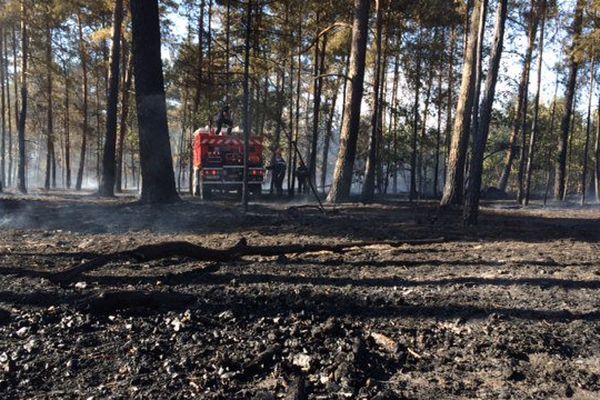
224	118
302	176
278	168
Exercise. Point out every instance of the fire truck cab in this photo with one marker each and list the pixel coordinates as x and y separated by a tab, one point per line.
219	163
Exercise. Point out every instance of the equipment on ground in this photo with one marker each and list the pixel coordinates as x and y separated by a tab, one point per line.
219	163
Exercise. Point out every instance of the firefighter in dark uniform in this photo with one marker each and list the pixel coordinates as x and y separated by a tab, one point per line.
224	118
302	176
278	168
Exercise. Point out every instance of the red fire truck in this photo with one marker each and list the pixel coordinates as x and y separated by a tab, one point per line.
219	163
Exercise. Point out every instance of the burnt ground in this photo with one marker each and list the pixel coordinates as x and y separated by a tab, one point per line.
510	310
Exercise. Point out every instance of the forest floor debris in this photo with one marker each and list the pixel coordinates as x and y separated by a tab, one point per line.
508	310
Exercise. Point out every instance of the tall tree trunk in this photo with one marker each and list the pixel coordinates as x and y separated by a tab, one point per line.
318	89
2	112
158	184
561	163
453	190
107	180
246	88
50	116
344	168
450	103
536	110
123	123
588	127
394	125
421	165
480	137
521	104
597	157
438	135
67	129
84	111
21	184
368	189
9	112
327	140
415	127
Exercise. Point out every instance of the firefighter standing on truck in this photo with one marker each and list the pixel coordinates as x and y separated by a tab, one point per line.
224	118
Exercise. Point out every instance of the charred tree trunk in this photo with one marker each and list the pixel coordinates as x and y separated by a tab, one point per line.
588	127
9	113
521	105
67	131
471	209
342	177
2	112
319	69
108	178
327	141
21	179
536	111
597	157
453	190
84	88
50	116
561	162
123	123
368	189
158	185
415	127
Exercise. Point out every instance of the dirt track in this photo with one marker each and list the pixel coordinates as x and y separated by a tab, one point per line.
511	310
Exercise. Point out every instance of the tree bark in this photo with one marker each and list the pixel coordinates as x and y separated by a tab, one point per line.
453	190
158	179
368	189
9	112
415	127
327	141
521	104
246	88
123	123
319	70
588	128
536	110
21	181
50	116
2	112
565	127
108	178
471	209
67	129
84	111
344	168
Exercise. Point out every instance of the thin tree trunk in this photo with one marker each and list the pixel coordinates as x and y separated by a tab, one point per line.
561	164
394	162
84	88
108	178
453	190
9	112
319	69
471	209
327	141
521	105
597	157
415	127
2	112
22	186
368	190
158	184
123	123
536	110
342	177
588	128
438	136
246	89
50	116
421	165
67	129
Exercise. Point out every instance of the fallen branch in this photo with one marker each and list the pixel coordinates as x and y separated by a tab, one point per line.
241	249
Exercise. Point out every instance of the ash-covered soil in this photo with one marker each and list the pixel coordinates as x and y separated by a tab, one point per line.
508	310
